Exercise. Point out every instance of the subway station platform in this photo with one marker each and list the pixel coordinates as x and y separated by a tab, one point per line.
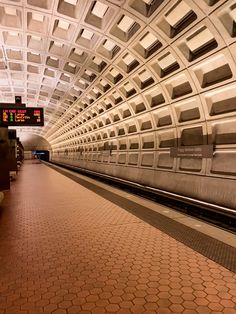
67	247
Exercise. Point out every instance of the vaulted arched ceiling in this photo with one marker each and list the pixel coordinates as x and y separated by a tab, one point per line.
104	69
32	142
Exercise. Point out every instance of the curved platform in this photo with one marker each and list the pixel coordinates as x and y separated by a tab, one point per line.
66	249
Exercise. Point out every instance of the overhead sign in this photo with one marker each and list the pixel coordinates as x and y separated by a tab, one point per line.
28	116
200	151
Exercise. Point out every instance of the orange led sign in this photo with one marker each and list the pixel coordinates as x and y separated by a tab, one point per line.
28	116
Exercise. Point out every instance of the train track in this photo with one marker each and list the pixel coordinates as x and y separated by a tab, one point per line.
220	216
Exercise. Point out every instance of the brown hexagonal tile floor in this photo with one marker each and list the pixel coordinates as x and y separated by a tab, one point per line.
65	249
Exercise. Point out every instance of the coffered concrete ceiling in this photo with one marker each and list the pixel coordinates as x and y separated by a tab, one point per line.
104	69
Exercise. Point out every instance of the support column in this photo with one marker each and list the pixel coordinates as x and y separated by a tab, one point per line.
12	161
4	155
